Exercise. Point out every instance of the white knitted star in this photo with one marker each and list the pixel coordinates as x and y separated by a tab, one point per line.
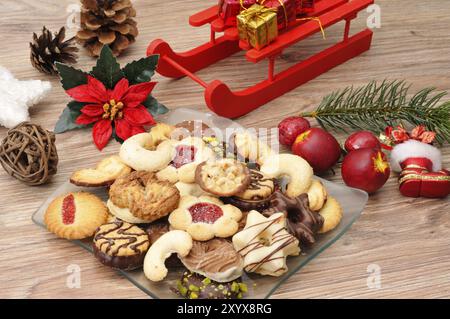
17	96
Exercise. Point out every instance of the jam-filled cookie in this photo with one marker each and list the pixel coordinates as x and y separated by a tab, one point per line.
75	215
120	245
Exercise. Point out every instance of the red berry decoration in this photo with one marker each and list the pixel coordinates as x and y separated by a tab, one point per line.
318	147
290	128
68	210
205	213
366	169
362	139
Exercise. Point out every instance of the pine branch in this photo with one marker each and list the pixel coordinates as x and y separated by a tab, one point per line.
375	106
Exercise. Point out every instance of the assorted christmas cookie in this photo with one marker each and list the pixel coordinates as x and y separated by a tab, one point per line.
159	133
265	244
294	167
174	241
120	245
139	153
75	215
216	259
142	195
205	217
154	231
104	174
317	195
191	129
188	154
257	194
332	215
195	286
249	147
225	177
301	221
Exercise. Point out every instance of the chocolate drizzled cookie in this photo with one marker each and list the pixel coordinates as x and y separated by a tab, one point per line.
120	245
300	220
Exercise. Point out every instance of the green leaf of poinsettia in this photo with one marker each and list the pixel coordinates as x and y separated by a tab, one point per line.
141	70
154	107
70	77
107	70
66	121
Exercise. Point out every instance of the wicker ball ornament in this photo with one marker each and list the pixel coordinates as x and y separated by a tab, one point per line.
28	153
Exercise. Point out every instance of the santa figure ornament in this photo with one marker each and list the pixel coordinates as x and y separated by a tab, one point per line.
418	162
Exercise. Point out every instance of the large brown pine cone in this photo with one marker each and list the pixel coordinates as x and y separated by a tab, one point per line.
107	22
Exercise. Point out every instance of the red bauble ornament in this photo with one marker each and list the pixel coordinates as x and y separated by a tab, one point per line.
362	139
290	128
318	147
366	169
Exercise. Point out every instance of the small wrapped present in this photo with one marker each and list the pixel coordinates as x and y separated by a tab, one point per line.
286	10
229	9
258	25
305	6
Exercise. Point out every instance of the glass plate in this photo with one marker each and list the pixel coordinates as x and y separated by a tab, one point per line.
352	201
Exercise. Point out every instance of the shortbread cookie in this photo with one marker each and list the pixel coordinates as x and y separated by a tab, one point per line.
216	259
294	167
317	195
205	217
104	174
264	244
191	189
225	177
146	197
120	245
331	213
195	286
75	215
138	152
124	214
188	154
175	241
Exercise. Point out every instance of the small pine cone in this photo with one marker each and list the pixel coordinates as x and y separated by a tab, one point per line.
107	22
46	50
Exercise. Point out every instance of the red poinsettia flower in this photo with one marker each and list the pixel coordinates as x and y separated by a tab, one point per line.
121	106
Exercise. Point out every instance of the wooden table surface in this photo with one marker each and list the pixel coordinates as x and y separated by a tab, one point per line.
408	239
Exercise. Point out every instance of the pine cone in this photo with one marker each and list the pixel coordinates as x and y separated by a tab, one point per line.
46	50
107	22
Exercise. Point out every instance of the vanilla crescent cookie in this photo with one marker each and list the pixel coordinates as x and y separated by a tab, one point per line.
160	132
104	174
174	241
264	244
332	215
251	147
75	215
294	167
317	195
205	217
188	154
137	153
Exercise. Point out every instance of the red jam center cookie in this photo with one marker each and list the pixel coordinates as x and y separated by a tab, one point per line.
185	154
68	210
205	213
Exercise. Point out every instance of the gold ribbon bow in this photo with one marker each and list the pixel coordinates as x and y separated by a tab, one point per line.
256	12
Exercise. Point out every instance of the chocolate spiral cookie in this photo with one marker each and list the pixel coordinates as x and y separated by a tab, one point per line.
120	245
257	194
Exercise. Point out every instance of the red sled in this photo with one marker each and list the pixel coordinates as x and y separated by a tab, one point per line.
232	104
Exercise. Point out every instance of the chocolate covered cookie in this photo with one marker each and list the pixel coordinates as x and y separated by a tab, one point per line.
120	245
195	286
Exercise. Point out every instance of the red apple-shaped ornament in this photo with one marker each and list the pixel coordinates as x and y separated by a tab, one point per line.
290	128
362	139
318	147
366	169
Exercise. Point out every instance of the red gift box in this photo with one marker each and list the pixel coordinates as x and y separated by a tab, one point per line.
229	9
305	6
286	10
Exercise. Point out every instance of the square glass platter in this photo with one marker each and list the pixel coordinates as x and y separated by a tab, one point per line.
351	200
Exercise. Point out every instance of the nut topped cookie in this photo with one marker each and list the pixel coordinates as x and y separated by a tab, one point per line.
225	177
120	245
75	215
144	196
